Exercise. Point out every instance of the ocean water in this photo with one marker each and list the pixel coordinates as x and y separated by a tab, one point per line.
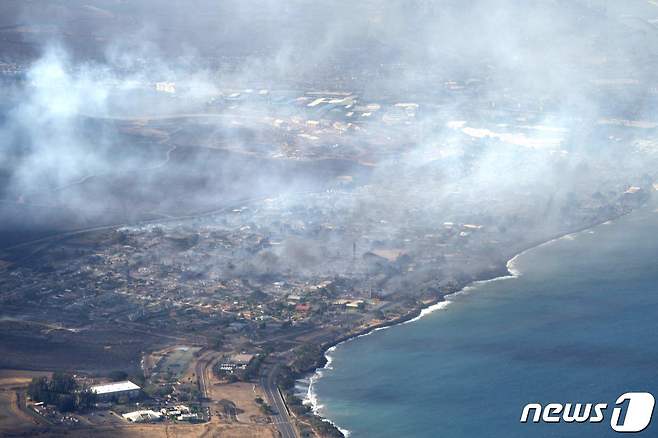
580	324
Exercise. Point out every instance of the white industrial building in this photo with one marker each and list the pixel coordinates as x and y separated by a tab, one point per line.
110	391
146	416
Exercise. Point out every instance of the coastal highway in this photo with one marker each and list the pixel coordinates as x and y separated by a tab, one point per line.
281	418
201	367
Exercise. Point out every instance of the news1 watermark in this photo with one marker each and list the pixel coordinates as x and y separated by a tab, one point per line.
631	413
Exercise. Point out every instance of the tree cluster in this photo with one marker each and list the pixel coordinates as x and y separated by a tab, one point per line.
61	391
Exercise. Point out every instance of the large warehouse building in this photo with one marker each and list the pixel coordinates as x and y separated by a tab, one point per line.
110	391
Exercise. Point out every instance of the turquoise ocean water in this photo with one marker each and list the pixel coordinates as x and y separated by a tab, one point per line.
580	324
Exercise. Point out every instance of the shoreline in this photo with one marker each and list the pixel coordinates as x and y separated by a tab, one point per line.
509	271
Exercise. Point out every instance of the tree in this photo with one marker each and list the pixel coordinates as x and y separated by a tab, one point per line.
38	390
62	383
253	366
286	377
159	391
65	403
86	399
61	391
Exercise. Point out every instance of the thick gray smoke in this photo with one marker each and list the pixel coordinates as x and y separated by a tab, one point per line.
89	133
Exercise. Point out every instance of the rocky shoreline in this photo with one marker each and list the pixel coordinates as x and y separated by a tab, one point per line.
500	272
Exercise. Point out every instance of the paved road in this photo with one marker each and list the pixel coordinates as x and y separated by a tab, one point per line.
203	370
200	371
281	418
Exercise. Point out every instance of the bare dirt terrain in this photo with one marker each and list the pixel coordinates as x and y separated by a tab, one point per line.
201	431
233	403
156	431
15	422
15	378
11	417
242	394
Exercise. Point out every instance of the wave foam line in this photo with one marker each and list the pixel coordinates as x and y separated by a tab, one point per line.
513	272
312	397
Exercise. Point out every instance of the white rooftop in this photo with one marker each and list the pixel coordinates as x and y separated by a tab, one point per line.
142	416
109	388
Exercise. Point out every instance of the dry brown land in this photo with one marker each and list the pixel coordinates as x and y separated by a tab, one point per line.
12	418
243	395
250	421
158	431
200	431
19	377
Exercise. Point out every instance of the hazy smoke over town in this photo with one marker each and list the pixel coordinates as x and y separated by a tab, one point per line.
69	150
